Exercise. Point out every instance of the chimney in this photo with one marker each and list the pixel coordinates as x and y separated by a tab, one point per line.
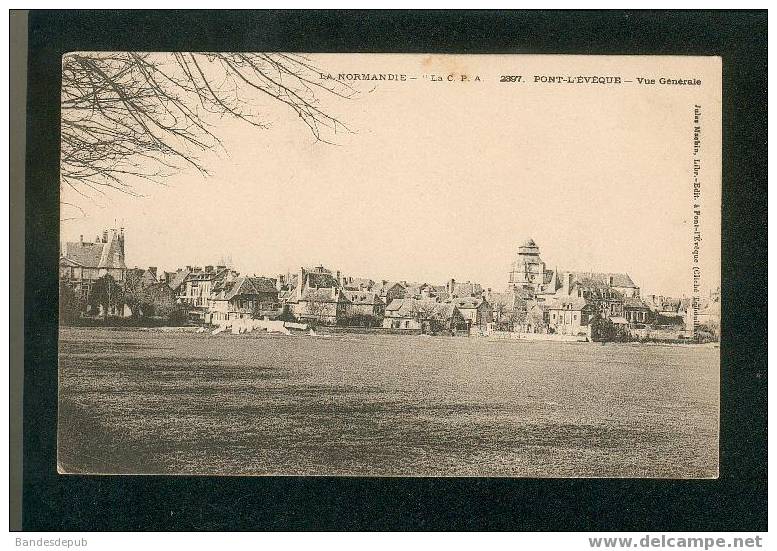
82	238
300	282
208	269
451	286
105	236
337	276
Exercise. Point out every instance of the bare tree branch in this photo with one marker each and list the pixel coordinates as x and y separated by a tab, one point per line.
134	116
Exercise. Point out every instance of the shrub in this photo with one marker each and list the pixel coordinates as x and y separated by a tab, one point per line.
603	330
69	304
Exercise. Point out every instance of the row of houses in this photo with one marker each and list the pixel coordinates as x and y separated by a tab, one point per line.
215	294
537	299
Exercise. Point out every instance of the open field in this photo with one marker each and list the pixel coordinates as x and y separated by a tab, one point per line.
135	401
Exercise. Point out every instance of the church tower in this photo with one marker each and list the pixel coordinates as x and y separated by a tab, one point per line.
528	269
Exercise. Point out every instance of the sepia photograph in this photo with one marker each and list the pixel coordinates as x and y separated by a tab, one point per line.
389	265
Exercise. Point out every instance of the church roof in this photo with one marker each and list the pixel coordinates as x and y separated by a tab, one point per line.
606	279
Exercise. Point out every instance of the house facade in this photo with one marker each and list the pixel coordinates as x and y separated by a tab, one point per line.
81	263
314	295
423	314
389	290
362	305
475	311
636	312
570	316
244	297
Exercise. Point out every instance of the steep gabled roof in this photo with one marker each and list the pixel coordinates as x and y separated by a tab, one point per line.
592	279
86	254
178	279
634	302
384	287
319	280
511	299
467	289
112	256
358	283
248	286
395	305
466	303
324	294
65	261
288	295
413	289
361	297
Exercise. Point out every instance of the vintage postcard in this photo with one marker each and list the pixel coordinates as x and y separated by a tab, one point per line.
390	265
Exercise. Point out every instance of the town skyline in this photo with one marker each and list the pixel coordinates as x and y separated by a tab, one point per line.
226	261
438	196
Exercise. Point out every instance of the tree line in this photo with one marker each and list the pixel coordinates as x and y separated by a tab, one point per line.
106	297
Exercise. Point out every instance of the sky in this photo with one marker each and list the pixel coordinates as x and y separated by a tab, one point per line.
444	180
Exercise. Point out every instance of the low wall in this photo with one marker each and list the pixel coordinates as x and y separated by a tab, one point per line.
661	334
535	337
368	330
239	326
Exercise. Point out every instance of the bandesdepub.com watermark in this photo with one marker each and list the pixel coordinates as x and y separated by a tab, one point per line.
50	542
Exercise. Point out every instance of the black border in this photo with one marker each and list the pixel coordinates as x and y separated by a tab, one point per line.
737	501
